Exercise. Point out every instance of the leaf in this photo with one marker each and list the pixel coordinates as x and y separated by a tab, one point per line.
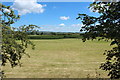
113	43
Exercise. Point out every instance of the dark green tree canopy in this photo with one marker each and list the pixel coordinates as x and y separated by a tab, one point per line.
107	27
14	40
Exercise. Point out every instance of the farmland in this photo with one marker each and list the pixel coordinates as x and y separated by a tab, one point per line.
61	58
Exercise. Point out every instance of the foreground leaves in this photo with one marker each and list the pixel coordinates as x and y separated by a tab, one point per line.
14	40
106	27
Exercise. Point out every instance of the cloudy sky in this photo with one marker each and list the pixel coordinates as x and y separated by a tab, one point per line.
50	16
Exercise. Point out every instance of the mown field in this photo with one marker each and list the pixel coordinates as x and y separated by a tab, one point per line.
61	58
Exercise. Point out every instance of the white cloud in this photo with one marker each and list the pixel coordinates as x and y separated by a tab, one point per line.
62	24
104	0
77	25
64	18
28	6
7	10
56	28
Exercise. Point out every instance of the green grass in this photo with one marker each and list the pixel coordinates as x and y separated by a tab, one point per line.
61	58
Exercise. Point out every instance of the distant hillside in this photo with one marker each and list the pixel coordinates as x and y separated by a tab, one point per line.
51	33
54	35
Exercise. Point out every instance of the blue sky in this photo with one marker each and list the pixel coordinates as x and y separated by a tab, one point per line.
51	16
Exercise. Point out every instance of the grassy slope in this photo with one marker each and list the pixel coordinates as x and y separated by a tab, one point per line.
61	58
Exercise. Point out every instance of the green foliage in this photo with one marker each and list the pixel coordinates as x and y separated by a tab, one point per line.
106	26
53	36
45	37
12	50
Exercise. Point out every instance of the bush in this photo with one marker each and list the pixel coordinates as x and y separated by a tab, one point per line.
53	36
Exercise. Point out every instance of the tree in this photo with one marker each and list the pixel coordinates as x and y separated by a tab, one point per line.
105	27
14	40
53	33
41	33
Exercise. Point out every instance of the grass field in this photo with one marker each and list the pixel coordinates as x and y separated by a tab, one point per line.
61	58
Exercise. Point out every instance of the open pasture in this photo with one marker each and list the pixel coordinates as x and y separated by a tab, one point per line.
61	58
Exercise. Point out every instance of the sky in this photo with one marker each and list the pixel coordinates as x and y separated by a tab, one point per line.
50	16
